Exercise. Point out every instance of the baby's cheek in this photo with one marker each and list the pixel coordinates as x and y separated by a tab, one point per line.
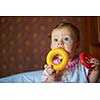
68	49
54	46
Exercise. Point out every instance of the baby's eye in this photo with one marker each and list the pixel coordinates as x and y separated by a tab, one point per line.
66	38
55	40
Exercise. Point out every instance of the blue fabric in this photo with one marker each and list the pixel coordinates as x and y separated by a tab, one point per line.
27	77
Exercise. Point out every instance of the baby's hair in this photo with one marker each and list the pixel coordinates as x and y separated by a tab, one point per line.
69	26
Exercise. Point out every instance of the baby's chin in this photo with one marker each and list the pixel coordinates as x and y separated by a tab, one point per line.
71	57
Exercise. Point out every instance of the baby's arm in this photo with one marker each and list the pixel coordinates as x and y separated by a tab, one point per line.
48	74
94	76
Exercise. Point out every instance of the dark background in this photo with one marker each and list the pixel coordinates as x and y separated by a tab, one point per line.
24	41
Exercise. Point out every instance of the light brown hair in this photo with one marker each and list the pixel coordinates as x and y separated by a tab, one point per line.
69	26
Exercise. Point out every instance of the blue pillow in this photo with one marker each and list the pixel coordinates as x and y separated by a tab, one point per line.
27	77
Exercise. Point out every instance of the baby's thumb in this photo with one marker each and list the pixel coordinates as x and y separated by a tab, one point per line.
57	72
45	66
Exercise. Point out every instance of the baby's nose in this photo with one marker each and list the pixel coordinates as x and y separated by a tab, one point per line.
61	44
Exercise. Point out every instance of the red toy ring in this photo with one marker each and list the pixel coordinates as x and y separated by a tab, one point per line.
85	60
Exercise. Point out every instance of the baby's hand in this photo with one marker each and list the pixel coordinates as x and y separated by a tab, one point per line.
95	63
49	73
49	69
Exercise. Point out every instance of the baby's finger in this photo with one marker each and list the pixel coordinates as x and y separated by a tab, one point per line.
50	70
94	60
50	66
45	66
57	72
96	63
92	65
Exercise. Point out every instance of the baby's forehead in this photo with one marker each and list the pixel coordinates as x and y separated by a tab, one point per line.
62	31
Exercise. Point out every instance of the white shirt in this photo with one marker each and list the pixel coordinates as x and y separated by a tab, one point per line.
76	74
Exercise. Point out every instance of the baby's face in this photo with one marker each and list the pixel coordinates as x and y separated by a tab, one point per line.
65	39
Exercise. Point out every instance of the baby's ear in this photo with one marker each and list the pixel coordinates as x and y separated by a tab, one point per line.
77	45
78	48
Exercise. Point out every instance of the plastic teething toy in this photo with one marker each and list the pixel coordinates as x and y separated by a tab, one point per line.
85	60
53	53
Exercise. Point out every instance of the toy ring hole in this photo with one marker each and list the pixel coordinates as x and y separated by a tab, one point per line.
57	59
87	60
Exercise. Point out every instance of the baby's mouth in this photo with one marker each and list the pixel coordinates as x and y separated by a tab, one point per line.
60	46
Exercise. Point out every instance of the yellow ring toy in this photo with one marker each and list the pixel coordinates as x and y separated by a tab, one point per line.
53	53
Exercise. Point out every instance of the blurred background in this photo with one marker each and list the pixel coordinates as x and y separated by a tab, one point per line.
24	41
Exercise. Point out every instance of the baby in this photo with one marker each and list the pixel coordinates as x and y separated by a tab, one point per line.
67	36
